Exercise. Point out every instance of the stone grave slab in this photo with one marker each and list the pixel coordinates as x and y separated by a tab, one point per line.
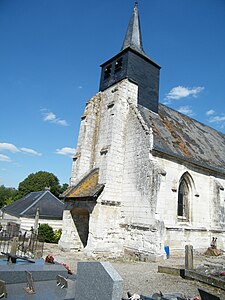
44	290
98	281
15	273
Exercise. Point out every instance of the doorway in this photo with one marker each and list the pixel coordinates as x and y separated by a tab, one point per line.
81	221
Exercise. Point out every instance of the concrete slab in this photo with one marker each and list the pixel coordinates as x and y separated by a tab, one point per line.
44	290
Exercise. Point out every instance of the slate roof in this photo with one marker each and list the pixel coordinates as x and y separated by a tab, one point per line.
87	187
50	207
133	38
182	137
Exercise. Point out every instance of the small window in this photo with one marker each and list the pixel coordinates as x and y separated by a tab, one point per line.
118	64
183	199
107	72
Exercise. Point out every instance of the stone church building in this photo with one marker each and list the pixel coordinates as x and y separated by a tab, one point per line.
144	175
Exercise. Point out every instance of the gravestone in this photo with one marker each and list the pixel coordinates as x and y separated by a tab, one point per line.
98	281
189	257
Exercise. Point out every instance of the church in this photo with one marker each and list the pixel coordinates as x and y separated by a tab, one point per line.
144	176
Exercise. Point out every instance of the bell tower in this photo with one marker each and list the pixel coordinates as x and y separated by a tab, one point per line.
132	63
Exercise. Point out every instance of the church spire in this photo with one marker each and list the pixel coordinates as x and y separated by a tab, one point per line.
133	64
133	37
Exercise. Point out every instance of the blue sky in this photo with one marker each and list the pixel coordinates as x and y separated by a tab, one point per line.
50	53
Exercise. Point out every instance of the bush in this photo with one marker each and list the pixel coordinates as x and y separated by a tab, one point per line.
57	235
46	232
48	235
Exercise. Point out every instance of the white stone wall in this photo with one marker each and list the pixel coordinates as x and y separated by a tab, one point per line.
141	182
69	239
105	235
206	206
84	159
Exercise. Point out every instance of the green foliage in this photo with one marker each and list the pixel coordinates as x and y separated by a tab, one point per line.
7	195
64	187
33	183
38	182
57	235
46	232
48	235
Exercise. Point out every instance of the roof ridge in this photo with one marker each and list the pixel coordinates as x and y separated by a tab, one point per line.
36	201
55	197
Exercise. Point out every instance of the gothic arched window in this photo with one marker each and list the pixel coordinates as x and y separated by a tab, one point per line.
183	199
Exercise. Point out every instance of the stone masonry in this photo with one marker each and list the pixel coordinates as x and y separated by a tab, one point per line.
114	138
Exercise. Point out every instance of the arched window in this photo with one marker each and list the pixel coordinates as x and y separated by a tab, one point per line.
184	194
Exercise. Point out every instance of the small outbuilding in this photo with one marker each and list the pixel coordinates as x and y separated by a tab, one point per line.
44	204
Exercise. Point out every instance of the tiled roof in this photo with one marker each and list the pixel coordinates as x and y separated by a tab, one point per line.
180	136
88	187
50	207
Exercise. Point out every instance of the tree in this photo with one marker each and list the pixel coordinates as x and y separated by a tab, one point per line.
38	182
64	187
7	195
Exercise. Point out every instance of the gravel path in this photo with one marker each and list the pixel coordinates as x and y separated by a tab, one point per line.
143	277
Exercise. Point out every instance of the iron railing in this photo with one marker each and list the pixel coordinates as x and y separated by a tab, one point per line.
29	244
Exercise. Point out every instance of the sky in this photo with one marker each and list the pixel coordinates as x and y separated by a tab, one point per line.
50	57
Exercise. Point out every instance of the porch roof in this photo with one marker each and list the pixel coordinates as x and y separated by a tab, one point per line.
87	187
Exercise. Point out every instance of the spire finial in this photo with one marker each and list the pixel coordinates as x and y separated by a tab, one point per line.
133	36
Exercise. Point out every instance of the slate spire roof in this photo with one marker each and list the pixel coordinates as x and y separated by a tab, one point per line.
133	37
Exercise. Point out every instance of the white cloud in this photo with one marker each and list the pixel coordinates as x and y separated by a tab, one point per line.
186	110
210	112
12	148
51	117
179	92
217	119
66	151
4	158
79	87
30	151
61	122
9	147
